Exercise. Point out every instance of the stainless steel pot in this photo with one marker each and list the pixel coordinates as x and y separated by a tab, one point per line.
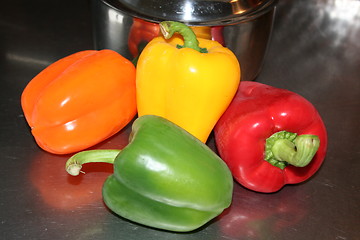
244	26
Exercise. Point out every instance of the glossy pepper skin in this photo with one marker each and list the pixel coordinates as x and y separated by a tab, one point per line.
243	137
186	86
80	100
164	178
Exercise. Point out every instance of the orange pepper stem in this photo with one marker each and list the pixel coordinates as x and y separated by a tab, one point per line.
168	28
74	164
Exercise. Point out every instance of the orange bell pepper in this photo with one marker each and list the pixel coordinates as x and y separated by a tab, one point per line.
80	100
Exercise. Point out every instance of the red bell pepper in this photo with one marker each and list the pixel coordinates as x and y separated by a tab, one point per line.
270	137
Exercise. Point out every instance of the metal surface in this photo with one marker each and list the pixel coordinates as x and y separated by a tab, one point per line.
314	52
247	35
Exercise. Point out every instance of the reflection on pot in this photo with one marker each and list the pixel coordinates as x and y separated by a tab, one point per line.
256	215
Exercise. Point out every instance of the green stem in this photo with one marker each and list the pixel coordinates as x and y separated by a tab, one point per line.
168	28
74	163
283	148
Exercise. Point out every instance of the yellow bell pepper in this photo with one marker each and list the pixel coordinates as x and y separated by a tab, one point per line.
186	80
202	31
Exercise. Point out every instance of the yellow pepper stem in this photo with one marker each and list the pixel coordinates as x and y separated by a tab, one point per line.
168	28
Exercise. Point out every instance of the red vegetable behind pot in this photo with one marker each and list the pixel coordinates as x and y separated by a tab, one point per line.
141	32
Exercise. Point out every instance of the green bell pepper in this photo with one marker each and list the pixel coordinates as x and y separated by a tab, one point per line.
164	178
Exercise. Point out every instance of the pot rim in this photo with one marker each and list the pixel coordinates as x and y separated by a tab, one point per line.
249	15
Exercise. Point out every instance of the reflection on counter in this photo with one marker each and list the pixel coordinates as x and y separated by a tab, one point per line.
255	215
60	190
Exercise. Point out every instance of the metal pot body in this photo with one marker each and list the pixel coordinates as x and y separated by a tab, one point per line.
248	37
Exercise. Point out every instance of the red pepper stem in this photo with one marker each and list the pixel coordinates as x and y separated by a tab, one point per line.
74	164
168	28
285	148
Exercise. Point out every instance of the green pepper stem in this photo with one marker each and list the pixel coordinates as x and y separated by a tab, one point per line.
285	148
168	28
74	164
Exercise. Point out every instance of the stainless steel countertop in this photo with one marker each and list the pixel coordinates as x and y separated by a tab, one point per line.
315	51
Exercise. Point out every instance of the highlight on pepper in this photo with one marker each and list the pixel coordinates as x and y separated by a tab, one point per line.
80	100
